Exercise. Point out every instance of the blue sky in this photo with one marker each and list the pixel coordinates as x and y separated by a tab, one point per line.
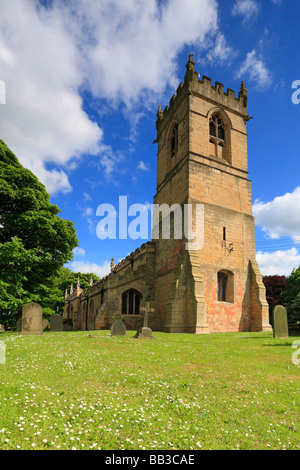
83	84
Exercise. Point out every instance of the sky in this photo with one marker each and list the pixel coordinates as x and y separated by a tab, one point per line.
80	85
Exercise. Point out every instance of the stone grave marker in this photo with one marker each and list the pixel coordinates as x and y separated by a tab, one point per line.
56	323
146	332
19	325
280	322
68	324
118	328
32	319
45	324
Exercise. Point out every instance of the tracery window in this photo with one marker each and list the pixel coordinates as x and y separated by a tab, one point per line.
217	136
131	302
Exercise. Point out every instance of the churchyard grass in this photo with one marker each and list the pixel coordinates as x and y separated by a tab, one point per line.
221	391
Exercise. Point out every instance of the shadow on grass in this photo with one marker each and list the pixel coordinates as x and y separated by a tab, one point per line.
256	337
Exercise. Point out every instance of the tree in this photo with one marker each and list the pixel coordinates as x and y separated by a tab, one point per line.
291	296
54	296
35	242
274	290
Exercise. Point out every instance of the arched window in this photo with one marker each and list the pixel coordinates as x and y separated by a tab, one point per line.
131	302
225	288
217	136
174	140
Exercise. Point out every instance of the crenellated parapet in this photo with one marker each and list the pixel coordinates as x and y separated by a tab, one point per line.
194	85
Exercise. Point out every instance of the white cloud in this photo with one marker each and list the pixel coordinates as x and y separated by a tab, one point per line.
279	262
220	51
86	267
117	50
245	8
88	212
87	197
79	251
43	120
280	217
256	69
135	43
143	166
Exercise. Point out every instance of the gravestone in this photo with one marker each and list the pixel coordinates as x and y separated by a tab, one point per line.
146	332
280	322
56	323
32	319
118	328
45	324
19	325
2	328
68	324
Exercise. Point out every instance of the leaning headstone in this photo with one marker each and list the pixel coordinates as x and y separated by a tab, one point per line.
280	322
146	332
45	324
32	319
19	325
118	328
56	323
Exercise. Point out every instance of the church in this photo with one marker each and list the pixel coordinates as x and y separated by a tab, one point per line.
202	160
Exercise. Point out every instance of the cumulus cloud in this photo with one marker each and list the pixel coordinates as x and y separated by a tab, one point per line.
279	217
116	50
256	69
43	120
86	267
280	262
134	44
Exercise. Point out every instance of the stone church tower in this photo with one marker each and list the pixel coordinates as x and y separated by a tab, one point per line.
202	162
202	159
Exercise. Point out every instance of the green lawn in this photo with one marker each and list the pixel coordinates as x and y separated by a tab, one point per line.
221	391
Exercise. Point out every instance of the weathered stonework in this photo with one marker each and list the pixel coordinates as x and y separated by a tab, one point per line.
219	287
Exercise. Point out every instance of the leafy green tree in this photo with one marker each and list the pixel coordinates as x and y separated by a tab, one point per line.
291	296
274	290
35	242
54	297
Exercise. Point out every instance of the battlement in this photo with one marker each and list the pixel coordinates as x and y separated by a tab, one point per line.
146	248
194	85
132	257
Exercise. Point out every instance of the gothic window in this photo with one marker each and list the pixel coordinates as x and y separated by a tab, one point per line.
217	136
91	312
131	302
174	140
225	288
